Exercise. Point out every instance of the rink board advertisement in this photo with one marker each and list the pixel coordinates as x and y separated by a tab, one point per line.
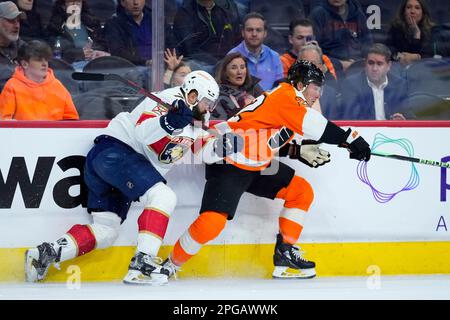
387	214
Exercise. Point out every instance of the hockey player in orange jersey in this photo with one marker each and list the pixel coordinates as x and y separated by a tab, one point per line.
268	126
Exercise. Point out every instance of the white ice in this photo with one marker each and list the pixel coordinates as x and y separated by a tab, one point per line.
386	287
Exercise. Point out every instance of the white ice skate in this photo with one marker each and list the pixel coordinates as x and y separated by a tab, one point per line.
38	260
145	269
170	269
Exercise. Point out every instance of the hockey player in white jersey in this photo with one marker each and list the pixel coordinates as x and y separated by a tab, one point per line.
128	163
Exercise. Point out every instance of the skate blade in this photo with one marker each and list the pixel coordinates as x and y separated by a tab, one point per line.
135	277
31	274
289	273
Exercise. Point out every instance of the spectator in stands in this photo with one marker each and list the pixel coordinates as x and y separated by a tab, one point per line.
33	92
410	35
176	69
341	30
375	94
263	62
301	33
206	30
77	30
129	32
30	21
9	39
237	86
328	101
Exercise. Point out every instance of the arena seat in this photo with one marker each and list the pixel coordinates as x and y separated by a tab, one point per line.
63	72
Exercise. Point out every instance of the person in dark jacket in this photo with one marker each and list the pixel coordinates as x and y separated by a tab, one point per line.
9	39
375	94
129	32
206	30
238	87
341	30
30	21
411	35
77	30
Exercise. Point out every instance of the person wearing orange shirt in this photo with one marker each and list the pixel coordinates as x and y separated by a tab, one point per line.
268	126
33	92
301	33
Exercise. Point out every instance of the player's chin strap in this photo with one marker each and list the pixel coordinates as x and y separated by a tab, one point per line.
302	95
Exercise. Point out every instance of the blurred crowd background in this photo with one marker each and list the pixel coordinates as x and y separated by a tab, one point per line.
382	60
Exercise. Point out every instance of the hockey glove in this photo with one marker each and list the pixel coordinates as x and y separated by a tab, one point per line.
358	147
227	144
309	153
177	118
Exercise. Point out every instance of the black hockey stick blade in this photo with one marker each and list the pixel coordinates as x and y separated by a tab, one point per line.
411	159
86	76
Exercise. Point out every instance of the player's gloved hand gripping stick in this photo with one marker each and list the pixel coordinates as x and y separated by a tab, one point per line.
177	116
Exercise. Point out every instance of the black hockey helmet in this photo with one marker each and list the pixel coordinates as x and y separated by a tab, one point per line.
305	72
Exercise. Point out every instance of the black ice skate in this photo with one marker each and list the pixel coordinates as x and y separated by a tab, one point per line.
38	260
289	262
145	269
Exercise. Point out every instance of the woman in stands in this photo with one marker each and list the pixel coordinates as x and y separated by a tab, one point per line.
237	87
410	35
77	30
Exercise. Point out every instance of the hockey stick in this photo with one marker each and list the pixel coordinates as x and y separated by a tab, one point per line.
87	76
410	159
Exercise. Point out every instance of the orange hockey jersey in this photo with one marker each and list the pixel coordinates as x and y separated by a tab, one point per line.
270	122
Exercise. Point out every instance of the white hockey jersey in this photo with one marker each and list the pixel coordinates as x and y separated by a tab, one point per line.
141	130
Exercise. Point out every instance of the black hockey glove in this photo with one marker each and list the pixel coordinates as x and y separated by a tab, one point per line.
358	147
177	118
309	153
227	144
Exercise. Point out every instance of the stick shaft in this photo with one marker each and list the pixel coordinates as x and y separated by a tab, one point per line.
112	76
411	159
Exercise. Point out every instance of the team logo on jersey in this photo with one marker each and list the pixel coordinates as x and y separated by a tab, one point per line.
280	138
171	150
159	110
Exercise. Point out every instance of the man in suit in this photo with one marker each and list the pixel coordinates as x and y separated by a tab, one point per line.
374	93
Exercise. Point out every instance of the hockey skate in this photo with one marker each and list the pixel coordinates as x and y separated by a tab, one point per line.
170	269
38	260
289	262
145	269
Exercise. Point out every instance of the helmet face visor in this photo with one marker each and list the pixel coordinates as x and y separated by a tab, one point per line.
207	104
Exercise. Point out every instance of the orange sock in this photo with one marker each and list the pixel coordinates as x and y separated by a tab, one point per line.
298	197
204	229
290	230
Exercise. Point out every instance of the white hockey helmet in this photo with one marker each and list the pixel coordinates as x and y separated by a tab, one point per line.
205	85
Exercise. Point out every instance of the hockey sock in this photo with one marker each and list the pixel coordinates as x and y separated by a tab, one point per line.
68	247
80	240
298	197
204	229
291	224
152	228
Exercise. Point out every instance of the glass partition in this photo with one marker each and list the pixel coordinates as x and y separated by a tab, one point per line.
382	60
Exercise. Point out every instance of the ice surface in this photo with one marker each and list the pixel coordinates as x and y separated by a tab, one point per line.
388	287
